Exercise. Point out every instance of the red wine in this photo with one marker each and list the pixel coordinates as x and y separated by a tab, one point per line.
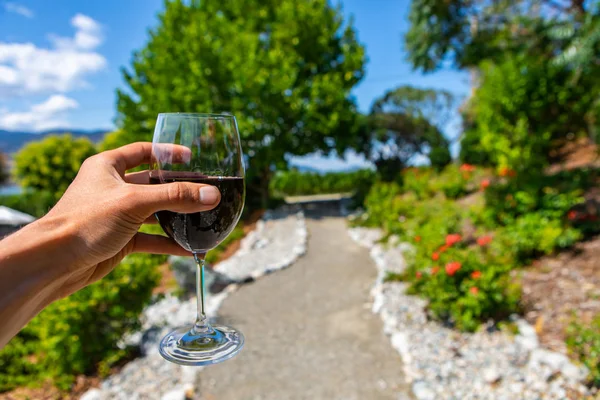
202	231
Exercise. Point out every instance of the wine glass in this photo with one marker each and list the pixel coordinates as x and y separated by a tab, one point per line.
200	148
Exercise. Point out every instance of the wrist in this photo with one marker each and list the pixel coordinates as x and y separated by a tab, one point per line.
49	238
34	264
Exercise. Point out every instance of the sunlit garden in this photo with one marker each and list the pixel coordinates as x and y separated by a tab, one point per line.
478	215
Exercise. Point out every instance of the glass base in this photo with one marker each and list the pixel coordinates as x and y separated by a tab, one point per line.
187	346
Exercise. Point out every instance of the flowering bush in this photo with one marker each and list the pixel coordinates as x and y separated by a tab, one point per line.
463	256
464	283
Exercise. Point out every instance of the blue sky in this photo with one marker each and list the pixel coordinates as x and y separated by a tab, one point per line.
60	60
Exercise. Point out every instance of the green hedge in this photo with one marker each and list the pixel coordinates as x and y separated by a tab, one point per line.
79	334
294	182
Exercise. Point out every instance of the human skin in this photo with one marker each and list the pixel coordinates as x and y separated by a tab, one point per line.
89	231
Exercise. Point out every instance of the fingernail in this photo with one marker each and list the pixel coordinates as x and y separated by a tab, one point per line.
208	194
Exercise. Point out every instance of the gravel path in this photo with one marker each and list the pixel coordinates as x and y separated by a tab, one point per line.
309	330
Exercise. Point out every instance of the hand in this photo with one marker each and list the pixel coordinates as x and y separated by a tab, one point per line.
104	208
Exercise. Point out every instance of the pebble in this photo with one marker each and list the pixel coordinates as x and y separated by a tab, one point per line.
92	394
442	363
278	240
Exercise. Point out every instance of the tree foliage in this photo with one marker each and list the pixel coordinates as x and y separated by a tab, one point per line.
405	122
285	68
465	32
537	65
51	165
524	109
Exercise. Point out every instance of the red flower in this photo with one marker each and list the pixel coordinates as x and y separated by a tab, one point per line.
452	268
484	240
417	239
467	168
505	171
476	274
418	274
452	239
485	184
572	215
474	290
435	270
443	248
435	256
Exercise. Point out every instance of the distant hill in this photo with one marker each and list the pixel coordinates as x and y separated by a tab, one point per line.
12	141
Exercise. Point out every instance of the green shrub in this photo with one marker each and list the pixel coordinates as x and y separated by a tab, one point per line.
457	296
79	334
465	285
583	342
418	181
519	218
294	182
51	165
535	234
384	205
17	364
471	150
440	157
453	182
551	195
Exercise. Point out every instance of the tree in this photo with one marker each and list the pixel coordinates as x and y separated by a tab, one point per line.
51	165
285	68
406	122
465	32
536	63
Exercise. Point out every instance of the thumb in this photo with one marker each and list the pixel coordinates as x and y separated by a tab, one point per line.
183	197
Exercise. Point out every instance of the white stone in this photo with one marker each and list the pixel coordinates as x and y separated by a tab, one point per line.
422	391
573	372
555	361
177	394
491	375
92	394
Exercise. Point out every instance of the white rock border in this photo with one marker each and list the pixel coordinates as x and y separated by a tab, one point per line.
442	363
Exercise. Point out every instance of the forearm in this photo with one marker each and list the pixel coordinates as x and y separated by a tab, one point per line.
33	267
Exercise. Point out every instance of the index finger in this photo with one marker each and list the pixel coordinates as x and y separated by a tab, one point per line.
134	154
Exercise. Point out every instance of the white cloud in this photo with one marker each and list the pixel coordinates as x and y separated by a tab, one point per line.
18	9
28	69
87	37
46	115
331	162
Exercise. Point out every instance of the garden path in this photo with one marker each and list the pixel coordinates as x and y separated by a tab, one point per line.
310	333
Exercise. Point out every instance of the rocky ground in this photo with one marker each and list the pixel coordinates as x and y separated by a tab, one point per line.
278	240
441	363
560	289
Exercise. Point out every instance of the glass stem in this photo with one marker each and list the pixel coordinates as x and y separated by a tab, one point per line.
201	325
